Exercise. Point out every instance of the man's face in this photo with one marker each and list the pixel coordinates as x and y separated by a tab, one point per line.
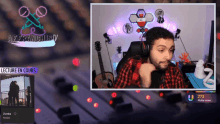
162	53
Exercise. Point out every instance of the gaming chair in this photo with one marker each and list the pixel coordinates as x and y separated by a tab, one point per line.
134	49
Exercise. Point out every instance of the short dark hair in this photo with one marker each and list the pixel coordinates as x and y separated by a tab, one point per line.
156	33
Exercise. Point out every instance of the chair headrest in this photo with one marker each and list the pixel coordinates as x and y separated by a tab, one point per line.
134	49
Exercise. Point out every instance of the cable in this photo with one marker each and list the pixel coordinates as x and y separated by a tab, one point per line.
141	38
109	57
185	48
174	55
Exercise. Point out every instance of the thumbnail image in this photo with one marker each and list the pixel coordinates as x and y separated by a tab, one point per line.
16	91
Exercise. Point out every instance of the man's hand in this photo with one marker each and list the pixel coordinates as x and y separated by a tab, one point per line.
145	74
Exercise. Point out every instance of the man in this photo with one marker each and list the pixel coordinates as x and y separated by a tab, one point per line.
28	95
10	94
15	93
138	70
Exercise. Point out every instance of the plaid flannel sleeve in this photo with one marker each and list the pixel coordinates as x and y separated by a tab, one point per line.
125	75
179	79
173	79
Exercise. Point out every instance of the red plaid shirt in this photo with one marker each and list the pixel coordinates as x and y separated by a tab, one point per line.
129	75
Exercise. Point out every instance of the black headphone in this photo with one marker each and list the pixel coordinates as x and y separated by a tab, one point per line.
145	49
145	46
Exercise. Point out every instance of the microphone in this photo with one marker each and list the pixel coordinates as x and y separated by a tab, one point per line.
156	79
107	38
177	33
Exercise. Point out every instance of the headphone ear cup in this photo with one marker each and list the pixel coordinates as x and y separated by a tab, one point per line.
145	49
148	49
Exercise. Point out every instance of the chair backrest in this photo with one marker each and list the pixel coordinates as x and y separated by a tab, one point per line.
134	49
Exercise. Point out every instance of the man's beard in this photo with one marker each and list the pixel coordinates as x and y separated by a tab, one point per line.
157	65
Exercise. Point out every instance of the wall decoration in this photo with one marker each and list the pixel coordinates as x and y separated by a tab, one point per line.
141	18
159	13
128	28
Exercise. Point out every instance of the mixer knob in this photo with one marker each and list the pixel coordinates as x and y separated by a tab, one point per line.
63	111
114	101
124	108
174	98
65	88
71	119
59	80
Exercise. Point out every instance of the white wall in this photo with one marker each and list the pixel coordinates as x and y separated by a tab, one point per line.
209	9
193	20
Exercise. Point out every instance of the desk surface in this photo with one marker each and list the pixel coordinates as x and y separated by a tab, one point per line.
197	83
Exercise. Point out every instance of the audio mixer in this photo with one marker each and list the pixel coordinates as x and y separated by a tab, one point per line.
96	106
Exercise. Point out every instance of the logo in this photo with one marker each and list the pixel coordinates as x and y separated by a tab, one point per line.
190	97
31	22
127	28
36	36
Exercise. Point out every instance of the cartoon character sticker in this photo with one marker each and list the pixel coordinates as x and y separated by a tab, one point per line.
141	18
